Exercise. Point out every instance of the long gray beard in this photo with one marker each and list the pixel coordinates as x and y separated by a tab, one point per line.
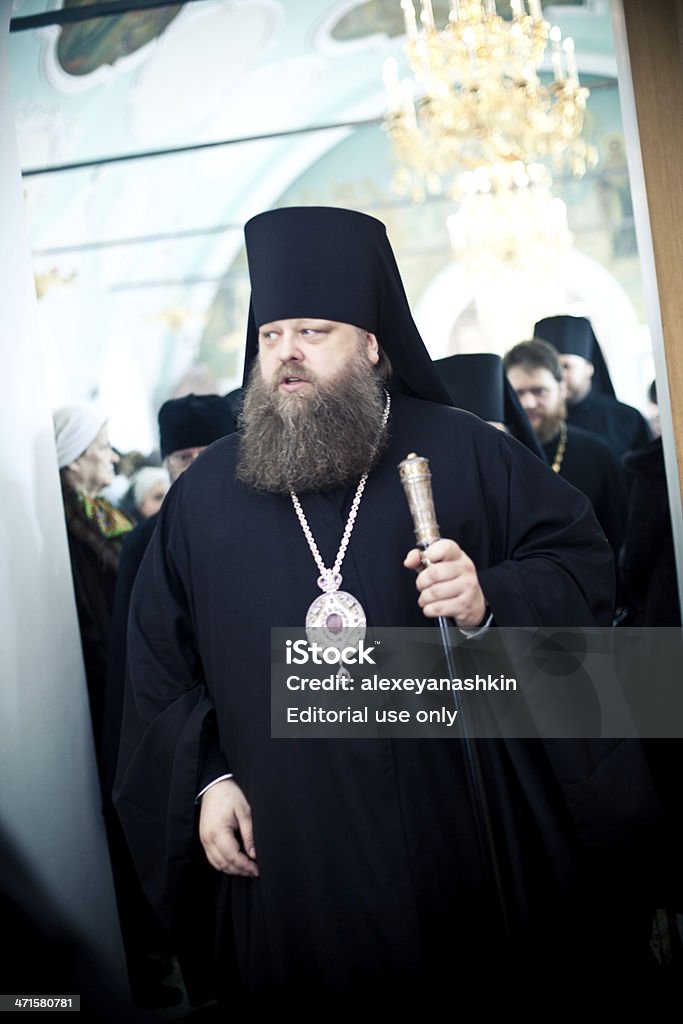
324	440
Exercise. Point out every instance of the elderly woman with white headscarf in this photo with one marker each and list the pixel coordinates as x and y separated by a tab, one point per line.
95	531
148	488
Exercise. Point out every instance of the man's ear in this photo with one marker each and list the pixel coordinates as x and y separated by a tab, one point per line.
563	388
373	347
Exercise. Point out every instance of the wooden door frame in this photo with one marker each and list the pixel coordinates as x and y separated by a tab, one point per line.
649	49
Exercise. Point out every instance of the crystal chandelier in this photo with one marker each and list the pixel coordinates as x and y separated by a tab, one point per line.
519	229
480	120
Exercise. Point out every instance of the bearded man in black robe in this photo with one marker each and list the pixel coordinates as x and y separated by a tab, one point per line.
583	459
347	872
591	402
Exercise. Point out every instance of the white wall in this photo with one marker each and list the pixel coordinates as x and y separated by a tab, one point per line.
49	802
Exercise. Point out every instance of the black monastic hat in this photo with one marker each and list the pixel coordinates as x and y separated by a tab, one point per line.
574	336
477	383
235	399
335	264
193	421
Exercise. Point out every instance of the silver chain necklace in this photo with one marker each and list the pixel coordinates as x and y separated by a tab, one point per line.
336	616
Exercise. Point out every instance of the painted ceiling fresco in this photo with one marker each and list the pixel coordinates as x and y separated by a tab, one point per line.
138	180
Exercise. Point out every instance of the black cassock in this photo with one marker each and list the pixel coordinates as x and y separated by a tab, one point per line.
370	879
620	426
590	465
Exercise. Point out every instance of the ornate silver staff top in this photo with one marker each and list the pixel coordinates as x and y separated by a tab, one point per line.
417	484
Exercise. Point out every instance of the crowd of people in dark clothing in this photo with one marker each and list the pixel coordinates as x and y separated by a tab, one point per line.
106	544
553	393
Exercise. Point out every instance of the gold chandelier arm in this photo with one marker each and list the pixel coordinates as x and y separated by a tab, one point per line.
476	116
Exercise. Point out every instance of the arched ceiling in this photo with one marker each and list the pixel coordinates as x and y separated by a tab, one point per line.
138	256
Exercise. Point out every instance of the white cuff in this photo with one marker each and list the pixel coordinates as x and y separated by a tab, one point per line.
220	778
472	634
